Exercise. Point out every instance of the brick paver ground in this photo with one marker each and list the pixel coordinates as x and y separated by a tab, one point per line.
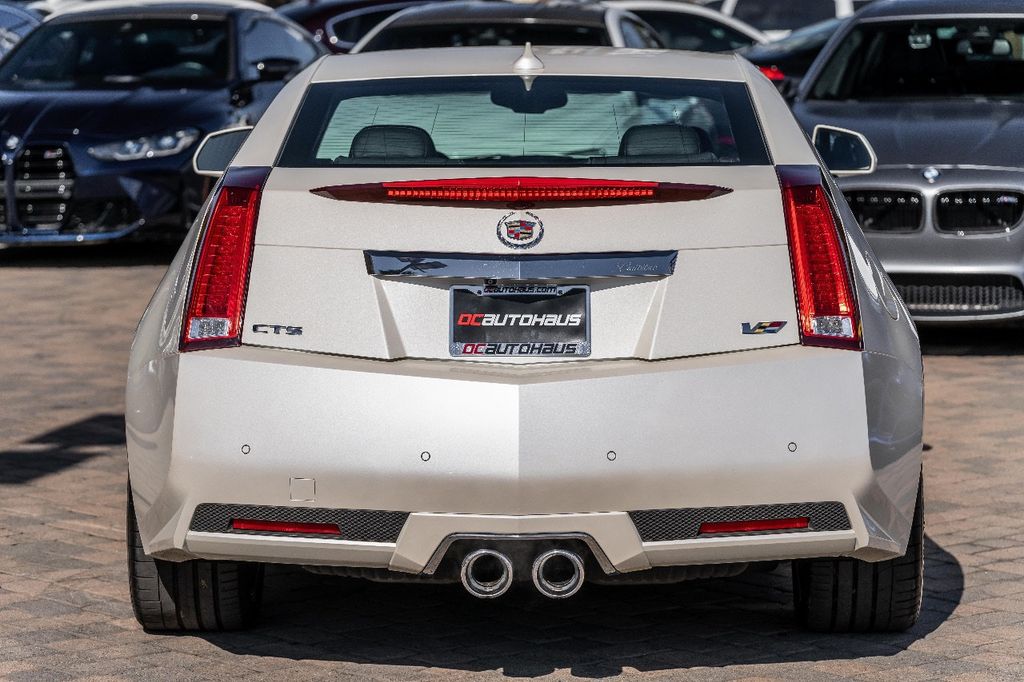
67	319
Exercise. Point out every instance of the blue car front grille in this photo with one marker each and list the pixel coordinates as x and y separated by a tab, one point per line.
44	182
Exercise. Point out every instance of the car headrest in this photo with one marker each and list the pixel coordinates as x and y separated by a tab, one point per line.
664	139
392	142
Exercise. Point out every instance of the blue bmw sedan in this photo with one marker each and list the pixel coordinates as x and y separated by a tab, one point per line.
101	108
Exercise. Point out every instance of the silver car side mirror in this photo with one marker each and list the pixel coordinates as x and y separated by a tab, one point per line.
845	152
215	152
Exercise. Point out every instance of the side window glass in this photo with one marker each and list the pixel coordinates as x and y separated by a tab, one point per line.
630	35
651	39
347	30
691	32
638	35
266	39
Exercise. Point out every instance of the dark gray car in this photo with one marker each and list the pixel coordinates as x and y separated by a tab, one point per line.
937	88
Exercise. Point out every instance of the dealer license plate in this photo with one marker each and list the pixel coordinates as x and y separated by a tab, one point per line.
515	319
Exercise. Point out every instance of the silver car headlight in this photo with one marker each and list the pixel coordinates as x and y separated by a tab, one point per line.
148	147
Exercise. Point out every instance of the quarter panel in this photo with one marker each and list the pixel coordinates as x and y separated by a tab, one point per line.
894	392
787	143
264	142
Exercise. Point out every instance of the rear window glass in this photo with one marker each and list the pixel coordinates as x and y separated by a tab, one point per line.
924	59
482	35
496	121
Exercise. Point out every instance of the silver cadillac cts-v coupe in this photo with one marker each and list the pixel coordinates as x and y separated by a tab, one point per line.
571	315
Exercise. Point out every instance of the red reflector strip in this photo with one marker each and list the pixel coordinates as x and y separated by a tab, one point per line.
286	527
512	190
754	526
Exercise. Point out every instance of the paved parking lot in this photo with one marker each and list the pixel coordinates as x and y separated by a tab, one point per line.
64	612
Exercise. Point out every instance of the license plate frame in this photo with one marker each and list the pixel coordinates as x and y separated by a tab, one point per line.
506	299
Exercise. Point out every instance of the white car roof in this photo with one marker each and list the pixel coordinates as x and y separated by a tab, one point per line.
564	61
100	6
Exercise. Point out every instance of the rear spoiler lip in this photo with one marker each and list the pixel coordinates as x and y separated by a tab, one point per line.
386	192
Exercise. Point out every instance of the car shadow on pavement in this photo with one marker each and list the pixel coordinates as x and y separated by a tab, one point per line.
972	340
63	447
599	633
89	255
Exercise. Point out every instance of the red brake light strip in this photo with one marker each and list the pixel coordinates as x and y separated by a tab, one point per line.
773	73
518	190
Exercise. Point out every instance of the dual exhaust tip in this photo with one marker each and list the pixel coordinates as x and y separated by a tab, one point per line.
556	573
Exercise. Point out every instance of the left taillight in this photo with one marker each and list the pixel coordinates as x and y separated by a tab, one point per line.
825	295
216	300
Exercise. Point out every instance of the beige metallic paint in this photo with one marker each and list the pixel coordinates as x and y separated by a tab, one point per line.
681	428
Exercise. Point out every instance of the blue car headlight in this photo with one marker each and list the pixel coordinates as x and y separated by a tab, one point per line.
148	147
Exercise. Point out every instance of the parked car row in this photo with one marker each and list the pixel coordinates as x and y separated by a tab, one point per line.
657	225
102	105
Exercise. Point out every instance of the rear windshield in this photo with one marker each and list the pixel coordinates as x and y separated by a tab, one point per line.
480	35
927	59
496	121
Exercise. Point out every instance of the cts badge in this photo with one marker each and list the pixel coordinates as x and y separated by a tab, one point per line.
277	329
763	327
520	229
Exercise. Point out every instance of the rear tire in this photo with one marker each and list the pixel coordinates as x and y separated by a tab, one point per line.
848	595
190	595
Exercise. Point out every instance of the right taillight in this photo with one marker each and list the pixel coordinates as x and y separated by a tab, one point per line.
825	295
773	73
216	300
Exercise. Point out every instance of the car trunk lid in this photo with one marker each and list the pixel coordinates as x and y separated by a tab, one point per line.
703	274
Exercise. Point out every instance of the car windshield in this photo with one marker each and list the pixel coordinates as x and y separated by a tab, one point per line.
120	54
809	37
926	59
773	15
499	121
485	34
693	32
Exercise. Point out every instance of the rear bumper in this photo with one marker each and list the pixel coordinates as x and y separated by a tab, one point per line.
426	536
520	451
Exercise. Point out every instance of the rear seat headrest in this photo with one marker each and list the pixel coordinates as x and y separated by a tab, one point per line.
392	142
664	139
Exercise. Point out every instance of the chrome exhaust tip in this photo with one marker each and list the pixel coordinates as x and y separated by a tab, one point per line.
558	574
486	574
